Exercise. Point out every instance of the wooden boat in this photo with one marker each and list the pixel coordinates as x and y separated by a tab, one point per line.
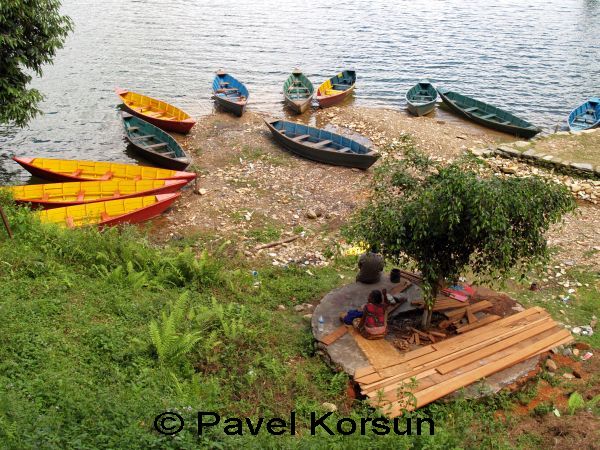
321	145
585	116
56	195
154	144
421	98
298	92
63	170
336	89
162	114
113	212
230	93
488	115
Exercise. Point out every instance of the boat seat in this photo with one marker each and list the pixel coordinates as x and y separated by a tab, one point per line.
162	144
340	87
139	138
345	150
323	144
301	137
506	122
133	128
473	108
488	116
107	176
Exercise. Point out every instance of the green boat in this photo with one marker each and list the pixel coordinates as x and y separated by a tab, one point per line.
488	115
421	98
298	91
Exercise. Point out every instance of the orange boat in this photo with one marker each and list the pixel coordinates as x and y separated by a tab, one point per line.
159	113
63	170
57	195
113	212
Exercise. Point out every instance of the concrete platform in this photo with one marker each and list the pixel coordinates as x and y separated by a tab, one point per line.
344	354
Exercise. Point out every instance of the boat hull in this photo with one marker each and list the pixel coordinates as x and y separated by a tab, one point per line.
50	175
359	161
331	100
181	122
298	107
150	131
168	187
145	208
420	109
505	128
233	107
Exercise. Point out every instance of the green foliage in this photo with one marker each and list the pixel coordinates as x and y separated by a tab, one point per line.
575	402
170	344
445	218
32	31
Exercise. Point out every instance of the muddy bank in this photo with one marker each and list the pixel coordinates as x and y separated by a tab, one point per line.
253	192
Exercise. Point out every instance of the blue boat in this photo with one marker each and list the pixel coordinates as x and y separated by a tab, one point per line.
585	116
230	93
321	145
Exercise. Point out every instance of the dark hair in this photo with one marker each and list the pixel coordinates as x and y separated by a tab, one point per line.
376	297
374	248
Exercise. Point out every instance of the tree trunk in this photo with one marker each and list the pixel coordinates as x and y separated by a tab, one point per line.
429	302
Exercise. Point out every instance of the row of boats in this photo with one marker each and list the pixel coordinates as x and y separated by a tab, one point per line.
105	193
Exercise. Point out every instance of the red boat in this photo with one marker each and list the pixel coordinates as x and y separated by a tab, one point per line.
336	89
161	114
110	213
63	170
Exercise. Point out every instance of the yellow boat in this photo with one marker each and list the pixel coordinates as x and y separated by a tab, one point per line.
63	170
56	195
157	112
113	212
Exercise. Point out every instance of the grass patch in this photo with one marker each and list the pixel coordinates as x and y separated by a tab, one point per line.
265	234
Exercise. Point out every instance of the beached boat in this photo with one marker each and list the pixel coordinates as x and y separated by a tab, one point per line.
585	116
421	98
154	144
162	114
298	92
321	145
336	89
230	93
56	195
109	213
488	115
63	170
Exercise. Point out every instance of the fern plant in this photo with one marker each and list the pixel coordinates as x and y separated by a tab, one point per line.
169	344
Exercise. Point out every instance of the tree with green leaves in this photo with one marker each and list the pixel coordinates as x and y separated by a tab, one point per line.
446	219
30	33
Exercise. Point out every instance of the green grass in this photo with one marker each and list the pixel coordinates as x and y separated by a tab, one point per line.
79	367
265	234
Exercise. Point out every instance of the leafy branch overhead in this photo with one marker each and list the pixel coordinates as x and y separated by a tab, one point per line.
445	218
31	33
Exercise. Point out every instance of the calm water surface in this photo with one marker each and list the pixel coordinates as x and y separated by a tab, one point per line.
537	58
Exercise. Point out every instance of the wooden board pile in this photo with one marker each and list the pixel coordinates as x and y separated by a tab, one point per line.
404	381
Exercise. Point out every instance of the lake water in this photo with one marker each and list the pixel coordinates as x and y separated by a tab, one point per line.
537	58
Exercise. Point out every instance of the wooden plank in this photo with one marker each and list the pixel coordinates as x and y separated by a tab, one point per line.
387	383
459	380
402	285
471	318
475	307
334	335
447	353
301	137
487	319
363	371
496	347
379	352
372	378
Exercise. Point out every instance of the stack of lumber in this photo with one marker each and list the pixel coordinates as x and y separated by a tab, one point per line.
442	302
411	380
